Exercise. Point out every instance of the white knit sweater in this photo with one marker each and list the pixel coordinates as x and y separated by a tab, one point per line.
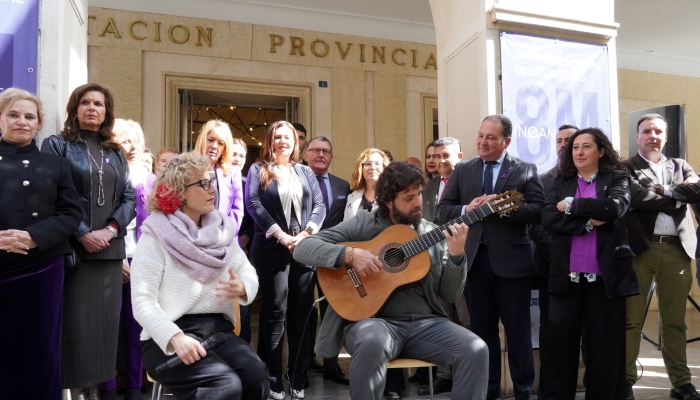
161	292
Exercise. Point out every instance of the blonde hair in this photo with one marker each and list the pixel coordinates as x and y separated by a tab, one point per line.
357	181
175	175
12	94
241	142
223	132
127	128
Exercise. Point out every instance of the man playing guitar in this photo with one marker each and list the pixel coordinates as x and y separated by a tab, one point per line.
411	323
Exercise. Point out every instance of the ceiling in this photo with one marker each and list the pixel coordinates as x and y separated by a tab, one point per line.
653	36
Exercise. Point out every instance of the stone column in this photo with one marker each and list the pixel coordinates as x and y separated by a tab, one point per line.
468	52
62	58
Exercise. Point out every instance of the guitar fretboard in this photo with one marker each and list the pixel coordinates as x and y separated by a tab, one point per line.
424	241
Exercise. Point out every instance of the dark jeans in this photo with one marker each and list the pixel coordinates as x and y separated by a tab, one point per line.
231	371
287	295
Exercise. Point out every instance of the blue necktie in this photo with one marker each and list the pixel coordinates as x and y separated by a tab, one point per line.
324	190
487	186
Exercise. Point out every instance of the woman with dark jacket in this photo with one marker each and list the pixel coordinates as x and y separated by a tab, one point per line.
93	292
591	273
286	204
40	209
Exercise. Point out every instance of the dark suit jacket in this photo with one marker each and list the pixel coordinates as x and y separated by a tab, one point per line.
507	241
540	236
340	189
614	254
265	207
430	199
646	205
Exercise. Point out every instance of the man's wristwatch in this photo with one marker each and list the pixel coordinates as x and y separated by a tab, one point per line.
659	189
309	230
111	229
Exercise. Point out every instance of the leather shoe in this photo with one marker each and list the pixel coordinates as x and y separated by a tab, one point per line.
439	386
314	366
685	392
629	394
392	396
336	375
421	373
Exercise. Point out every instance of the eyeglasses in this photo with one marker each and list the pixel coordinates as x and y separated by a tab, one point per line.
315	151
375	164
204	183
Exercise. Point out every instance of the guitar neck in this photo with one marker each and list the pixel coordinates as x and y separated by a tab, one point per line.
424	241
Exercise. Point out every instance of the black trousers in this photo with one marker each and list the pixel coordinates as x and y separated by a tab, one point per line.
604	319
287	295
490	298
231	371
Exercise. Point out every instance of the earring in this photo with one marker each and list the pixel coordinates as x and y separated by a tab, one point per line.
184	202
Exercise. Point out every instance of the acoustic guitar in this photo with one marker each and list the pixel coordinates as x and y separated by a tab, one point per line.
404	257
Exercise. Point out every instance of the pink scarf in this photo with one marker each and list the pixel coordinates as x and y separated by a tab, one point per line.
200	252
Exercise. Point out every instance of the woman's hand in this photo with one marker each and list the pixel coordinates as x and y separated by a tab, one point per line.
230	288
561	206
16	241
95	241
189	350
126	272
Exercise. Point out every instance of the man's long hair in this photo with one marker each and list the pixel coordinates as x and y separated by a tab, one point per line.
396	177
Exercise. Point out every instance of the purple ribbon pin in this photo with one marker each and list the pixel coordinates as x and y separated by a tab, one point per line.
108	160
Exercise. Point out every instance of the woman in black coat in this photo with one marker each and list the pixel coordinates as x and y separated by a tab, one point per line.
93	293
40	210
286	204
591	273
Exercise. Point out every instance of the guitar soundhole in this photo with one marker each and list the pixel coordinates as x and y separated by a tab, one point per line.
393	258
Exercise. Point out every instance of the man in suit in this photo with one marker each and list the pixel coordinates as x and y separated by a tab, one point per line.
319	155
498	250
662	235
449	152
543	240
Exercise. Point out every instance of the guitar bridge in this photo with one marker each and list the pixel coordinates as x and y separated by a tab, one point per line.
356	282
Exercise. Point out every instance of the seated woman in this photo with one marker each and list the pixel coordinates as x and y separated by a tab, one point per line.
187	269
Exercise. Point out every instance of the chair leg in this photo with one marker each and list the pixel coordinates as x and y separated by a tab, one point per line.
157	391
430	381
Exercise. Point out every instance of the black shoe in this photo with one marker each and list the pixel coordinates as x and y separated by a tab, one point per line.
392	396
314	365
629	394
439	386
685	392
336	375
421	373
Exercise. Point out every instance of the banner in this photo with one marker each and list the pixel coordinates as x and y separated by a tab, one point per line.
547	83
19	43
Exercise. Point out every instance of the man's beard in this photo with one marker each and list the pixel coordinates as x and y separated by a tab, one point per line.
407	219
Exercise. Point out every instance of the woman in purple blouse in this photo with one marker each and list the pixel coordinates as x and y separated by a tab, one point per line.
591	271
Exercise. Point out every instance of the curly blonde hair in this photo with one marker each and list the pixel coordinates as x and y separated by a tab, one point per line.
357	181
175	175
223	132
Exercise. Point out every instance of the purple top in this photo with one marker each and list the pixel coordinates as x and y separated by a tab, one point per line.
584	254
142	190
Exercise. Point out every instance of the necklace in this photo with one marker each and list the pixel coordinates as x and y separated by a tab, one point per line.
100	172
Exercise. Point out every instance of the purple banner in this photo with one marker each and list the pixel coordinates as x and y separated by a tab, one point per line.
547	83
19	42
